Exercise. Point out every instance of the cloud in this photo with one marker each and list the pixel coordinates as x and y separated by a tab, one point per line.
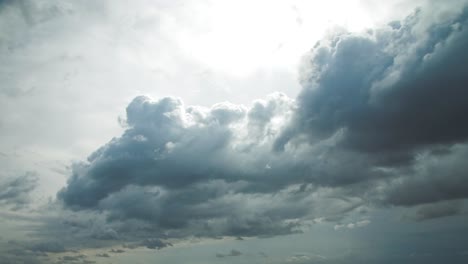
233	253
107	234
437	210
48	247
380	117
103	255
361	223
117	251
434	177
80	259
154	243
395	96
193	168
379	122
389	91
15	191
12	254
306	258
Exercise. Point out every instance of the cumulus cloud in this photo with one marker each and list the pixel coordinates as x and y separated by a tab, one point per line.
397	97
390	90
185	170
197	168
380	116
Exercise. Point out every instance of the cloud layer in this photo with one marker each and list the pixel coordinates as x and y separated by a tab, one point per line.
380	116
15	192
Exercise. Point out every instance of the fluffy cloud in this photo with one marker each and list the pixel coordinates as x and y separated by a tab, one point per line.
182	171
192	167
380	116
394	89
397	97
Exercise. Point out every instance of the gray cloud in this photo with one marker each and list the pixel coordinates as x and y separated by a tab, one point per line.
379	122
181	171
106	234
390	91
233	253
103	255
438	210
178	167
76	259
15	191
432	178
380	117
306	258
14	253
397	97
154	243
48	246
117	251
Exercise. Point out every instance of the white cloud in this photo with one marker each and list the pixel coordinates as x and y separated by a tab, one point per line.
358	224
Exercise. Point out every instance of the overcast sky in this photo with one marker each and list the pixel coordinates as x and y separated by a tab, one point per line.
233	131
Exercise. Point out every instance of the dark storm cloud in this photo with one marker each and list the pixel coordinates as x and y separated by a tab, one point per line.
398	97
379	119
15	191
154	243
394	89
433	178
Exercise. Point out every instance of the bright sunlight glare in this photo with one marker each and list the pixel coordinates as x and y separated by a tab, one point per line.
239	40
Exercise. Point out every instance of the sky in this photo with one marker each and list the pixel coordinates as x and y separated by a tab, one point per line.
281	131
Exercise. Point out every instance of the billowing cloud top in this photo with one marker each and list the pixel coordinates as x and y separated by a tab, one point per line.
393	89
381	114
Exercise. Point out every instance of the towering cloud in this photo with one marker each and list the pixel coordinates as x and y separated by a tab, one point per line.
399	88
381	114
